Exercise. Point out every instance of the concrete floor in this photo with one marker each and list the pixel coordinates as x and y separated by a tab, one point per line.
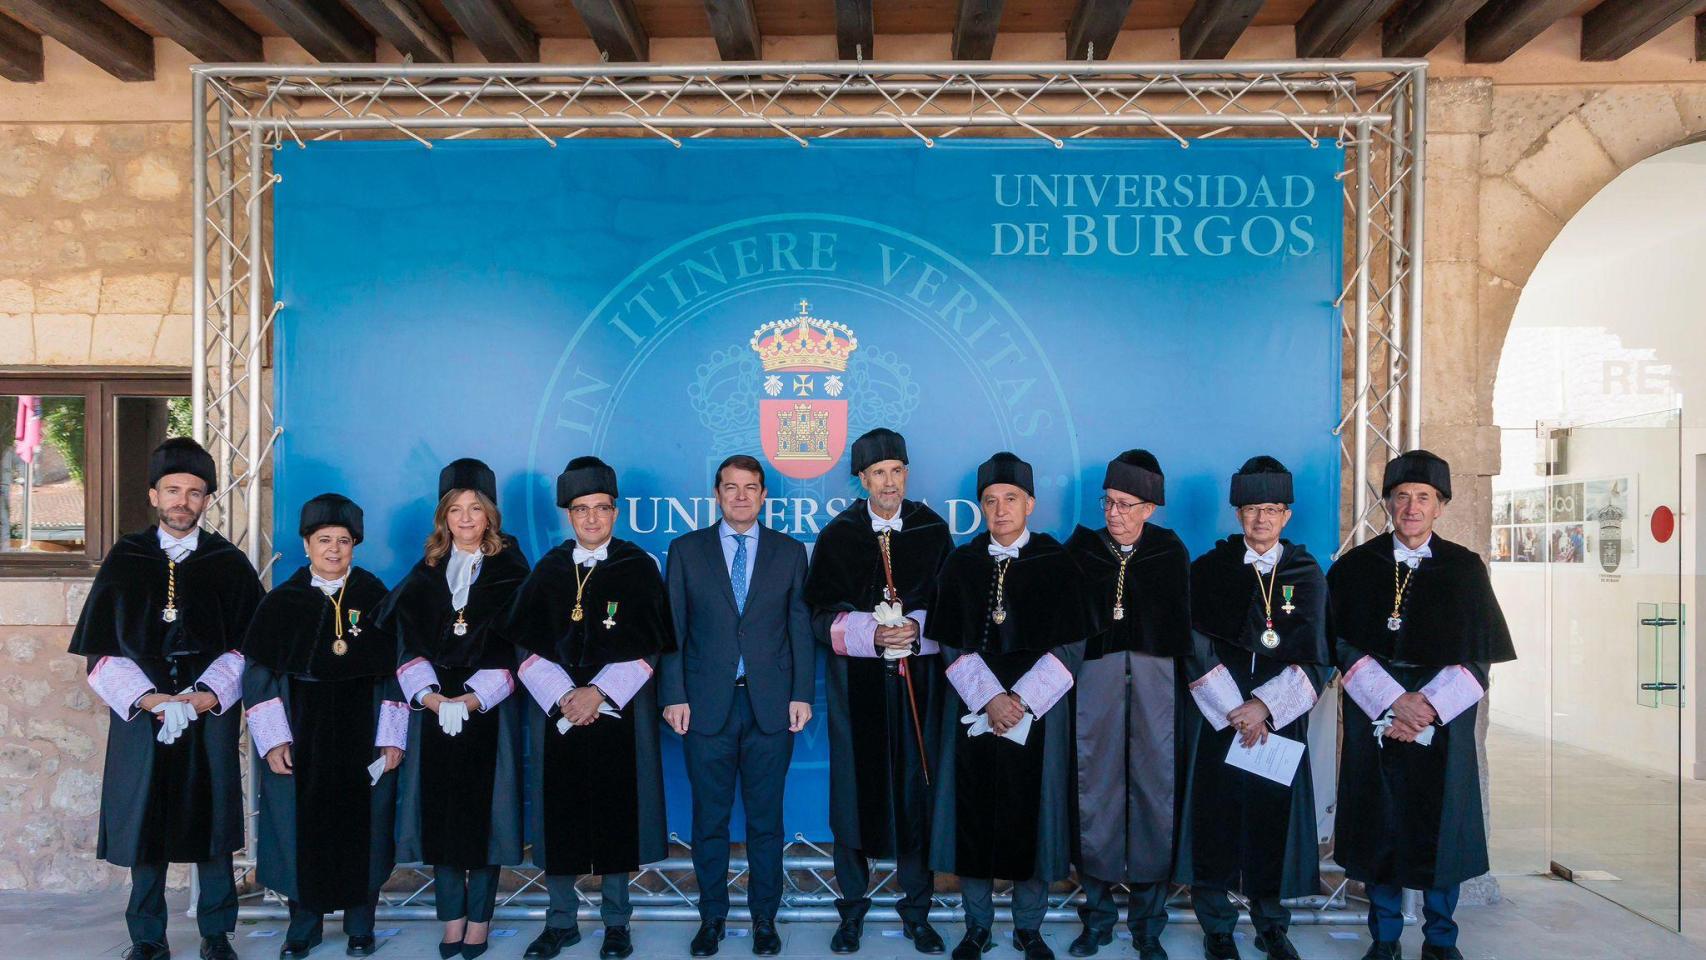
1539	918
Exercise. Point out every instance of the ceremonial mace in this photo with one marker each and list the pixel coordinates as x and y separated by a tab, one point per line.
905	674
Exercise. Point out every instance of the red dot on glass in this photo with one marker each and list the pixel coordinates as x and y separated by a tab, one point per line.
1664	524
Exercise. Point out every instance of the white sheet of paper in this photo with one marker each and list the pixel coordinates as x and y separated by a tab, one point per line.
979	725
376	769
1277	759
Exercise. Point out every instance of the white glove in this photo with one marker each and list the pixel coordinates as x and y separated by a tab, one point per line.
564	726
452	714
1425	738
375	770
978	724
175	717
889	614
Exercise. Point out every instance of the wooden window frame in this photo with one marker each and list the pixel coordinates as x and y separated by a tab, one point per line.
100	388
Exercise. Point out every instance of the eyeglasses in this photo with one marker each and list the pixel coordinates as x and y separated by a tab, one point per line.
1265	510
582	511
1120	506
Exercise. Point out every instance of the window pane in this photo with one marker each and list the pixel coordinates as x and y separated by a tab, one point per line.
139	424
42	461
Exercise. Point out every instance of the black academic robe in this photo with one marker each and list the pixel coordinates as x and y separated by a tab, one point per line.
318	843
1003	809
596	791
1246	832
1127	708
459	798
183	802
879	794
1410	814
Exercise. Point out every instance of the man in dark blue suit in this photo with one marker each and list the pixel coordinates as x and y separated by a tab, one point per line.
738	687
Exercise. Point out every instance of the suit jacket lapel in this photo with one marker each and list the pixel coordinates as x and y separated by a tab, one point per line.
719	566
766	558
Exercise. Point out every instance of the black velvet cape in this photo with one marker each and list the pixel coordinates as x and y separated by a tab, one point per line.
1449	614
1157	592
1226	602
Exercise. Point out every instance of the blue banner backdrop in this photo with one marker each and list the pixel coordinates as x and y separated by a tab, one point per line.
644	303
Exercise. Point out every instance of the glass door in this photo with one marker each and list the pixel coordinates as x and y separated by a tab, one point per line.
1613	560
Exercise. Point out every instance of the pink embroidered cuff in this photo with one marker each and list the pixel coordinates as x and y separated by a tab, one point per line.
973	681
491	686
620	681
546	681
1044	684
224	679
1452	691
268	726
393	725
926	646
417	678
1216	694
1287	696
120	682
1372	687
854	634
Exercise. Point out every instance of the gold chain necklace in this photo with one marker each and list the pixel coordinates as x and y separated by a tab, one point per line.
999	615
580	588
340	646
1396	621
1119	580
1270	637
170	613
888	566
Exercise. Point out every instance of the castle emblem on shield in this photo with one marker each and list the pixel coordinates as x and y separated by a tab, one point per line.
805	357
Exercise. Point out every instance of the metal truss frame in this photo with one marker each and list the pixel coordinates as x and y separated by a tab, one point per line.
242	114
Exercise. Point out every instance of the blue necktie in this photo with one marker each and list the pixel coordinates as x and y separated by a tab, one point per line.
737	580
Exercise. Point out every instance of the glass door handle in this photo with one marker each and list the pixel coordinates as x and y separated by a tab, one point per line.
1659	622
1660	686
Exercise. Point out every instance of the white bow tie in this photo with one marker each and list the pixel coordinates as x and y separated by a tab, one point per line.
878	524
1403	554
996	550
1265	562
582	556
328	587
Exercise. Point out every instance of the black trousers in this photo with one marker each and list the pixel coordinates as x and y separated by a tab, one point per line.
216	909
759	761
1146	907
853	876
467	894
1030	903
1216	913
614	907
307	925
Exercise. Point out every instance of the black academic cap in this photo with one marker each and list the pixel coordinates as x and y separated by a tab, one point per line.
878	445
182	455
1005	467
1138	473
1418	466
468	474
1261	480
330	510
582	476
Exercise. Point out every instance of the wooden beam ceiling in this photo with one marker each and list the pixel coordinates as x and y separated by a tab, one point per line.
975	27
330	33
1616	27
500	33
99	35
1503	27
855	31
1213	26
616	28
1419	26
407	27
208	30
1094	26
20	52
735	25
1329	27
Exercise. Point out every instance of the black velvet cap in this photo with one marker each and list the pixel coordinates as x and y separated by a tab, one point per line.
1261	480
1005	467
331	510
468	474
1138	473
182	455
875	446
582	476
1418	466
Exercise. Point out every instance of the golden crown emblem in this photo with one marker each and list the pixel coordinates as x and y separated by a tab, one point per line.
804	342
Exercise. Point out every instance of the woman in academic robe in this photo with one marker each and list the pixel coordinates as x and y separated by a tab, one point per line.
591	620
328	726
1260	659
460	797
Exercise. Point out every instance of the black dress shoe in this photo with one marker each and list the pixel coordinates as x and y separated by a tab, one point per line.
1032	942
705	941
974	944
296	949
472	950
1149	948
618	943
765	940
449	948
1276	945
362	945
217	948
1431	952
924	937
1089	941
1220	946
552	940
148	951
846	938
1383	950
